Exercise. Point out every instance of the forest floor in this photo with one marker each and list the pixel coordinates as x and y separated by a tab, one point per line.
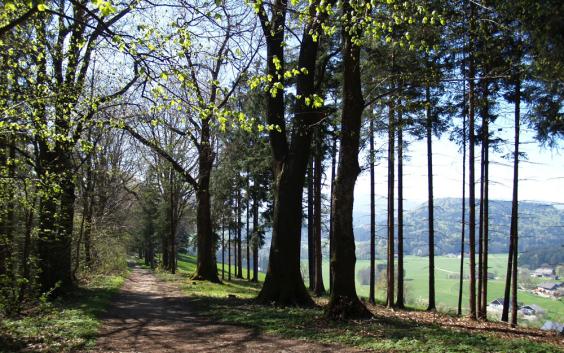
152	315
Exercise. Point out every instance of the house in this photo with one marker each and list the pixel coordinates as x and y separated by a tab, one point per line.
553	326
544	272
527	310
497	305
549	289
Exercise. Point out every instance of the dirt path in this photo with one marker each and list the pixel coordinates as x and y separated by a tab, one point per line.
151	316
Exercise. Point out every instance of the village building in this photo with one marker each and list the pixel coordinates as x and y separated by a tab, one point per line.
550	289
544	272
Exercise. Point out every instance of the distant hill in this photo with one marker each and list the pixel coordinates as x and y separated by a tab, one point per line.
540	225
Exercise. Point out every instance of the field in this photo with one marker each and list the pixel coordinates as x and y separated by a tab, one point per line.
416	282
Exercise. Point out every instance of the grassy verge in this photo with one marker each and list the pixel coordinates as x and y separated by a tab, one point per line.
231	303
65	325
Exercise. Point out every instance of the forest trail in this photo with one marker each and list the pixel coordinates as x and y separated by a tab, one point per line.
152	316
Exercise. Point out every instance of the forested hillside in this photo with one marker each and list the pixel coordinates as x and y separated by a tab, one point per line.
540	224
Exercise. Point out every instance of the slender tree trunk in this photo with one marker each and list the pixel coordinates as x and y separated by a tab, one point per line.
247	234
371	296
344	302
256	239
333	167
480	233
471	178
483	293
511	277
391	179
463	215
235	236
400	300
310	227
229	254
223	248
318	288
431	306
173	222
239	236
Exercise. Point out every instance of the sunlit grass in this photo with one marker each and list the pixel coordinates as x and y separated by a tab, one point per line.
231	302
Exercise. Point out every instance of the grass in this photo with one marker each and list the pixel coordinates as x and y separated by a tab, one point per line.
416	281
65	325
230	303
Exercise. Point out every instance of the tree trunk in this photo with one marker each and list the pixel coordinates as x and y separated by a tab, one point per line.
391	177
239	228
431	306
206	268
344	302
371	296
511	276
256	239
310	227
483	293
284	284
222	248
56	222
229	253
471	178
400	300
173	221
480	233
318	287
333	166
247	234
463	216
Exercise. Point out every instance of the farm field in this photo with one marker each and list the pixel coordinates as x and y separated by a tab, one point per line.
416	281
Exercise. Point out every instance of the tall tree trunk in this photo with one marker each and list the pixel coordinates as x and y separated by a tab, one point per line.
239	228
333	167
284	284
480	233
222	247
235	234
318	287
229	253
463	215
310	227
431	306
400	300
247	234
471	178
256	239
371	296
173	221
344	302
483	293
511	276
391	179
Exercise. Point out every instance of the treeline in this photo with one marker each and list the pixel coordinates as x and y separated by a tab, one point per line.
537	257
199	124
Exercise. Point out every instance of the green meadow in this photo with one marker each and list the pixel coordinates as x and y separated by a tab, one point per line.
417	277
